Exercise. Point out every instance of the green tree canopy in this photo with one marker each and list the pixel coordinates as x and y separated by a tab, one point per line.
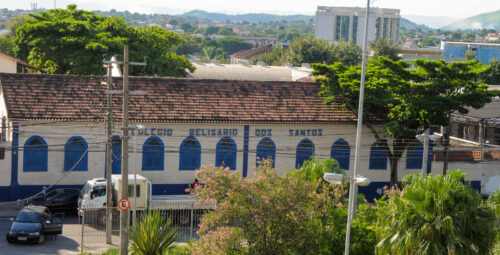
385	48
74	41
435	215
406	98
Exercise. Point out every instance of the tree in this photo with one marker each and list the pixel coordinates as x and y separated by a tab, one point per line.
309	50
435	215
267	213
347	53
407	99
493	77
385	48
74	42
230	45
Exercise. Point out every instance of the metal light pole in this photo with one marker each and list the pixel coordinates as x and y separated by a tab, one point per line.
352	186
426	137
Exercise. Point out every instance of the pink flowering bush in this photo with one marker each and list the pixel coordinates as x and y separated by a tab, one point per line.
266	213
222	240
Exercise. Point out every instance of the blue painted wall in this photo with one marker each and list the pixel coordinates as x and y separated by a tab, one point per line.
483	54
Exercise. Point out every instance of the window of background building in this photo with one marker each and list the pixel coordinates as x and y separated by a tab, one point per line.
386	24
337	27
378	157
414	155
266	150
354	29
342	153
377	28
345	28
75	154
305	150
35	155
153	156
190	154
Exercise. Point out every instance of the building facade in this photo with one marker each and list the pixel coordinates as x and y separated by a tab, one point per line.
483	52
53	134
347	24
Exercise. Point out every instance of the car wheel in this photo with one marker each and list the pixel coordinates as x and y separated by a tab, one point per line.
41	239
7	238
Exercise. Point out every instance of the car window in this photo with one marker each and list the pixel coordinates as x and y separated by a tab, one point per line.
28	216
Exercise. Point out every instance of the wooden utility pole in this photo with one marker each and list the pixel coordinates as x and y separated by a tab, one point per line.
124	219
109	159
124	215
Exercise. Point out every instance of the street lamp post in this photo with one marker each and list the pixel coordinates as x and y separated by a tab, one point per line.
426	137
352	187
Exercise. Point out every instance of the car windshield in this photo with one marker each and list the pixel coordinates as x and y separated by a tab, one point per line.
27	215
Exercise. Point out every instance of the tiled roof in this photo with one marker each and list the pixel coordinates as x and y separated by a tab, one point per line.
247	54
82	98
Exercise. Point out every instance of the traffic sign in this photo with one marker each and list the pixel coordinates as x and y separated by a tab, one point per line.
124	204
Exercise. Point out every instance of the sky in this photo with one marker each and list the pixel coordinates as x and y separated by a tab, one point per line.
449	8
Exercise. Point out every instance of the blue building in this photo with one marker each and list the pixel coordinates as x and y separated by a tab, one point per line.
484	52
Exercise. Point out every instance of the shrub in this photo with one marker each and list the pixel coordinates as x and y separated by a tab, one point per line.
152	235
434	215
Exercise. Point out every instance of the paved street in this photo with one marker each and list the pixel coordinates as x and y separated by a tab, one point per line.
67	243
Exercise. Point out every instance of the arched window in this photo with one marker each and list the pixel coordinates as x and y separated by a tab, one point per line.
190	154
266	150
75	154
225	154
378	157
116	155
342	153
305	150
153	156
414	155
35	155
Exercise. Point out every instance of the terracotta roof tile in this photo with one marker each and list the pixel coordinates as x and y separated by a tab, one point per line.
81	98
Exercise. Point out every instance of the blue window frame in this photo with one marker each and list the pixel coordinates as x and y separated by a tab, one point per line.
225	154
75	154
414	155
190	154
341	151
35	155
305	150
378	157
266	150
116	155
153	156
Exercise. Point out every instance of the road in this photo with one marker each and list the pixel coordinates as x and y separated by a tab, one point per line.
66	244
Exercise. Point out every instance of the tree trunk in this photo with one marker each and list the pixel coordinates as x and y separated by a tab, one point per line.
399	146
446	143
394	171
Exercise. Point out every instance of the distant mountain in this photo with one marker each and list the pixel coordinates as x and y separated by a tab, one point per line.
431	21
489	20
250	17
406	24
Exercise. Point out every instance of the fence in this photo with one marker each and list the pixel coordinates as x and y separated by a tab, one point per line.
93	227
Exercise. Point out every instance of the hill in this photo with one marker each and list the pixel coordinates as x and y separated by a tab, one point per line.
490	20
249	17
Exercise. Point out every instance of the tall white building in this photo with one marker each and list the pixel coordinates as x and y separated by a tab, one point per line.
348	24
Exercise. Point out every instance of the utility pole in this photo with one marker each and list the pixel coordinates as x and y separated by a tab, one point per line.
109	158
124	219
124	216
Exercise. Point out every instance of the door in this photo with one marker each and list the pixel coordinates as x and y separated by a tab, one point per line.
52	223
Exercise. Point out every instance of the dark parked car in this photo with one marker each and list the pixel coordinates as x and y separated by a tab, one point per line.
33	223
58	200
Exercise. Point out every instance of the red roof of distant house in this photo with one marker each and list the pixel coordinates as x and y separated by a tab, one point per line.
81	98
247	54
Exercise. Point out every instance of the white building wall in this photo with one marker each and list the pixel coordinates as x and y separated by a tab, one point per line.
7	64
326	18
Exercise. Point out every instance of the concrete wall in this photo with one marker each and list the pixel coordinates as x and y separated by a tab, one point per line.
7	65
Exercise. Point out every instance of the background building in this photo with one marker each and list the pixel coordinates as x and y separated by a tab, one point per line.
347	24
484	52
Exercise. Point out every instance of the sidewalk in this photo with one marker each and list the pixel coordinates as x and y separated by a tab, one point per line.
10	209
